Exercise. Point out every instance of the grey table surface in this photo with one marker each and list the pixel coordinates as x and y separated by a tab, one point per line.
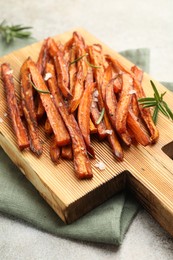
121	24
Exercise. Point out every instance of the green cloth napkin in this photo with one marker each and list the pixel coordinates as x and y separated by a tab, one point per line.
107	223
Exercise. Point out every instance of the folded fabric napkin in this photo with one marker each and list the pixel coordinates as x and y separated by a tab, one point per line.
107	223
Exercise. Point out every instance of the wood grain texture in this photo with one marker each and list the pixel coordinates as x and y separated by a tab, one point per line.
146	171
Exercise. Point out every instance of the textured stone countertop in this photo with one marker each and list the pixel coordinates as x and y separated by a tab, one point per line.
121	25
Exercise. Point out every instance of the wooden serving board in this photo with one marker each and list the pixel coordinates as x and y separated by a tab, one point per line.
146	171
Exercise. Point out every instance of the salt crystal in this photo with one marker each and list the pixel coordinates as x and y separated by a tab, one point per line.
47	76
96	93
60	104
100	165
109	132
1	120
95	99
9	72
5	114
132	91
130	81
51	96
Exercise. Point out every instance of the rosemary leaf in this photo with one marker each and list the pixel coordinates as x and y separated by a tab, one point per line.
9	33
155	91
79	58
92	65
162	109
101	116
157	102
146	99
149	105
38	90
155	114
168	109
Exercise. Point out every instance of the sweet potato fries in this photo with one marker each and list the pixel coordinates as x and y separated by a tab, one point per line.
74	91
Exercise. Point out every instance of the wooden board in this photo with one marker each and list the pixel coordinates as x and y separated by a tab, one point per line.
146	171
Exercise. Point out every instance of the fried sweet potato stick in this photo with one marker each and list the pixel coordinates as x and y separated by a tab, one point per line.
29	110
56	122
134	103
61	68
107	77
41	64
72	69
81	161
98	60
93	128
82	67
66	152
18	126
111	103
84	116
134	125
54	151
145	112
95	107
123	107
47	127
43	57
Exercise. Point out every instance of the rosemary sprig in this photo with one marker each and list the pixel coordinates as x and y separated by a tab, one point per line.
38	90
101	116
10	32
79	58
157	102
84	55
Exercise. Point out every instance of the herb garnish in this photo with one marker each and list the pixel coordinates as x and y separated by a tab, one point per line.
157	102
38	90
101	116
9	33
84	55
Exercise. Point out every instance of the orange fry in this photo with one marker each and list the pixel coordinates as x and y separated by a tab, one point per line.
134	125
84	116
61	68
43	57
54	151
81	72
29	110
138	76
47	127
80	157
123	107
145	112
41	64
93	128
66	152
14	113
98	60
56	122
111	103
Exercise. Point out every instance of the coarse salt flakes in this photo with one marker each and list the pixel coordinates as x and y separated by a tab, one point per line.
9	72
1	120
132	91
51	96
5	114
60	104
96	93
100	165
95	99
130	81
109	132
47	76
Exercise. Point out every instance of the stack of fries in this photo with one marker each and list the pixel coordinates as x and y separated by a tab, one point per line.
78	91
